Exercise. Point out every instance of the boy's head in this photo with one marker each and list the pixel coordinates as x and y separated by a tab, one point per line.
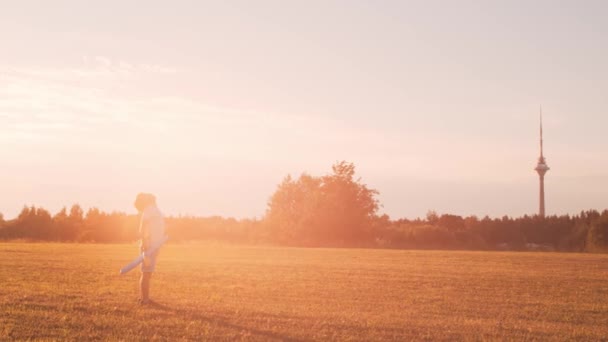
144	200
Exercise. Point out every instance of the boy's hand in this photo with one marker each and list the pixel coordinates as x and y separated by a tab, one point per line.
143	245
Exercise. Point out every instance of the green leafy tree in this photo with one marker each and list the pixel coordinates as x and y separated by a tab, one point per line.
61	224
451	222
69	225
33	223
597	236
335	209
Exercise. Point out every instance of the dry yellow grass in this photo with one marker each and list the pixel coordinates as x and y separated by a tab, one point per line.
219	292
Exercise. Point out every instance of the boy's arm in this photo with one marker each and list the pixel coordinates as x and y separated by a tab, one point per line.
144	236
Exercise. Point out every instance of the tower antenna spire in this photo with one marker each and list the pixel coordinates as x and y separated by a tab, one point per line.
541	131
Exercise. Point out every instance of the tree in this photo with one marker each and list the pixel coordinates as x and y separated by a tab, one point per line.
334	209
76	213
61	224
69	226
33	223
432	217
597	236
3	230
451	222
291	209
94	229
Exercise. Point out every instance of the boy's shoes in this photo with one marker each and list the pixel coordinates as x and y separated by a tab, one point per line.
144	302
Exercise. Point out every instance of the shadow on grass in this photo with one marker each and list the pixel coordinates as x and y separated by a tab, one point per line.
218	321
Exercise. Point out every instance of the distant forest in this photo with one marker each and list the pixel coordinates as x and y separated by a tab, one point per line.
335	210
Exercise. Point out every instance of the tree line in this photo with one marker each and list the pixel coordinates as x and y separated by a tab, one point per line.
334	210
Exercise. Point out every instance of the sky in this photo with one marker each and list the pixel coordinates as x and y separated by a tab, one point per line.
210	104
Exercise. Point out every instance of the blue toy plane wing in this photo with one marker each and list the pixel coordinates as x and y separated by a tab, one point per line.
132	264
140	258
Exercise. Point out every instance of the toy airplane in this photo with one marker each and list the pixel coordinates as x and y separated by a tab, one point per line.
140	258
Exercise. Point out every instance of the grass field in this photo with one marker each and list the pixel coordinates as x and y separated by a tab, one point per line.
220	292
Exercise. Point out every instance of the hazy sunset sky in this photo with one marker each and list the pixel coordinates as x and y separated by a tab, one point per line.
210	104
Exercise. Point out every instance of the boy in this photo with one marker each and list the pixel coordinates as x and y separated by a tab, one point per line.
151	232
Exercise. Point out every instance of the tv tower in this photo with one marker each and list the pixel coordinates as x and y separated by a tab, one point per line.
542	169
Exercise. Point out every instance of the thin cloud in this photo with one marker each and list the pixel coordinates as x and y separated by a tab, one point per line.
36	102
39	103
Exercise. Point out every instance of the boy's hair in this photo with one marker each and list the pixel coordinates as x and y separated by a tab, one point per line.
143	200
